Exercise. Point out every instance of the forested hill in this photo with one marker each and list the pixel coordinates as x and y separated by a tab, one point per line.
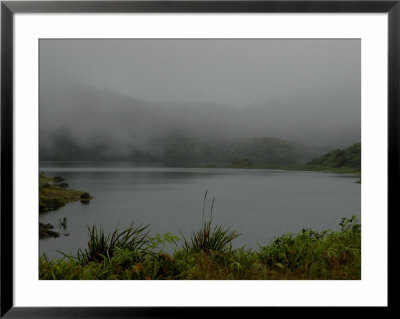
182	151
348	157
257	150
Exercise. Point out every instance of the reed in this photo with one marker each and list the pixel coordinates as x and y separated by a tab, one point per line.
100	246
209	238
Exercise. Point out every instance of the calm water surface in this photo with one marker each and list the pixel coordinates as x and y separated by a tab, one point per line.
261	204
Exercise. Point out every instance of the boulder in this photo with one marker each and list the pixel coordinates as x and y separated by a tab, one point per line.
85	195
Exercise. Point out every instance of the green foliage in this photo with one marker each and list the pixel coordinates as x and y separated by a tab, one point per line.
189	151
44	180
306	255
66	148
161	240
208	238
318	254
52	197
179	150
101	246
348	157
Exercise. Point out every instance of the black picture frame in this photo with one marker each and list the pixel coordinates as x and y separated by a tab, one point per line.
9	8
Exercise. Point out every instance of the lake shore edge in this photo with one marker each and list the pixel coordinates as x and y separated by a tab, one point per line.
54	194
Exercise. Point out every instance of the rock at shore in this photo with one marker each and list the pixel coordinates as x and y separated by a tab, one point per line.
45	231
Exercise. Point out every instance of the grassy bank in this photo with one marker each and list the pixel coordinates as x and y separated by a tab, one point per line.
54	194
208	254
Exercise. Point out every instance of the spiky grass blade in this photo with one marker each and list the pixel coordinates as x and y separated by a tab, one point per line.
100	246
208	238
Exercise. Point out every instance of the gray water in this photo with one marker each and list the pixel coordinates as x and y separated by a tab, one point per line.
260	204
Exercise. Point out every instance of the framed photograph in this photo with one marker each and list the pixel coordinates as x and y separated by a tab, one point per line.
163	155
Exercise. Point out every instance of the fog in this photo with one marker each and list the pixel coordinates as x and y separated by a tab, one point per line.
126	93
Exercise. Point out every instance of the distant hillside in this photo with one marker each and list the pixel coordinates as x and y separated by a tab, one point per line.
181	150
348	157
186	151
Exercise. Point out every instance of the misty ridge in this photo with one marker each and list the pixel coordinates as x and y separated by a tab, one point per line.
85	123
191	101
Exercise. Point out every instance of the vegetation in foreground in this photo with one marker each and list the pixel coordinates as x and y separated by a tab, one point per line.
132	254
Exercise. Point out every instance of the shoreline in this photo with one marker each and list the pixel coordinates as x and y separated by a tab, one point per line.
54	194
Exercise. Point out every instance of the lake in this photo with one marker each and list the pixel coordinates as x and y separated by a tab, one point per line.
260	204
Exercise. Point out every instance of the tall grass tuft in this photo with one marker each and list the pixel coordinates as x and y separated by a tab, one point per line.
210	238
100	246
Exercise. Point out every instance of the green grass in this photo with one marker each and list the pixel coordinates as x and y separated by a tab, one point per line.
209	238
43	179
305	255
52	197
133	239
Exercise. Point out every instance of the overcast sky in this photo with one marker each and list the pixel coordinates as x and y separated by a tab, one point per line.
308	91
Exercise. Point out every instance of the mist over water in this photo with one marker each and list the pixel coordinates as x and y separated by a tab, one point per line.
132	93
